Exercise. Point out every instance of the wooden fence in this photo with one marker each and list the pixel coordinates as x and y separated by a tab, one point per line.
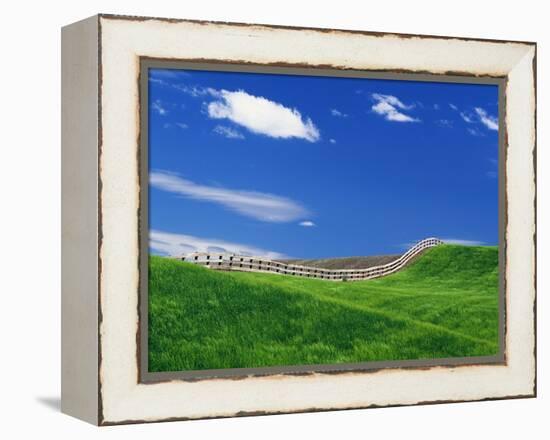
224	261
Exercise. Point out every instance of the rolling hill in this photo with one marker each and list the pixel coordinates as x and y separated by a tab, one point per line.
445	304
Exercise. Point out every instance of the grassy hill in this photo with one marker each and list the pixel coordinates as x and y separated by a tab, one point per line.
445	304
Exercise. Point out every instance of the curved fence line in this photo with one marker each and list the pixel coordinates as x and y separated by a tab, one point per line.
224	261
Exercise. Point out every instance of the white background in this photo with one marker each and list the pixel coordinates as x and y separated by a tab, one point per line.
30	217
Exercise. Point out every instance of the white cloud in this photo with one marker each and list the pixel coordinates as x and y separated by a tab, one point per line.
196	91
255	113
462	242
260	206
227	132
166	243
388	105
159	107
489	121
332	141
169	73
307	224
158	81
262	116
454	107
468	117
493	174
338	113
445	123
474	132
480	116
182	125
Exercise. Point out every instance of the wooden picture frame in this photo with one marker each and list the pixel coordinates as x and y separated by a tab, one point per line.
104	251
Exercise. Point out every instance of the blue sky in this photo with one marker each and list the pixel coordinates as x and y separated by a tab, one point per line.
302	166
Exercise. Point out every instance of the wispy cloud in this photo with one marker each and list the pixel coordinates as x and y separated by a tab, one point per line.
332	141
167	243
158	107
492	174
262	116
463	242
474	132
182	125
445	123
196	91
307	224
338	113
491	122
260	206
391	108
169	73
479	116
467	117
158	81
227	132
166	79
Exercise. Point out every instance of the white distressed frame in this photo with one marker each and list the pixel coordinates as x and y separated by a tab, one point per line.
122	42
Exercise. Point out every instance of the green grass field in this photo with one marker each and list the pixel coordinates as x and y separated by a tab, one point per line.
445	304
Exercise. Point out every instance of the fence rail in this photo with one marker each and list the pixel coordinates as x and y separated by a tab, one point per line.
233	262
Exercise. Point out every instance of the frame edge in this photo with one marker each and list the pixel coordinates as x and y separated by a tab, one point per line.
79	183
128	17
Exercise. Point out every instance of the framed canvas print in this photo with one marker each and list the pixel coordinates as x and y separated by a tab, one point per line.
263	220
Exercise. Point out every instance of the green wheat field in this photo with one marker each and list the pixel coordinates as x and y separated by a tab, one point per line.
444	304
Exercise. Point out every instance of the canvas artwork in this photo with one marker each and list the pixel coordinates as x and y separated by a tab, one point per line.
315	221
270	219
